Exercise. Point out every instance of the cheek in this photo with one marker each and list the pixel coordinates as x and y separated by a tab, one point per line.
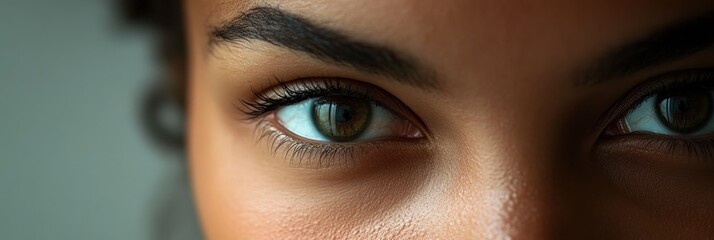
238	196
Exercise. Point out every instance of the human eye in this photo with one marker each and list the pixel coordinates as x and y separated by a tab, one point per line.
342	119
682	111
670	116
323	122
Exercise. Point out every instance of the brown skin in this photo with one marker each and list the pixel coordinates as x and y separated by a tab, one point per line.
513	147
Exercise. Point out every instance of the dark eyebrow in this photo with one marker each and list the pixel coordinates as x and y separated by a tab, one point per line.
290	31
671	43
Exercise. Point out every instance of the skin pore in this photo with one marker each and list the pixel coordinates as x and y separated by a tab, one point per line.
507	117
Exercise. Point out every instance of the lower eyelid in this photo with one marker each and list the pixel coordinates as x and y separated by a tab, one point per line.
313	155
660	150
301	153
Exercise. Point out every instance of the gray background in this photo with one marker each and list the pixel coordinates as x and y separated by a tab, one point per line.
74	162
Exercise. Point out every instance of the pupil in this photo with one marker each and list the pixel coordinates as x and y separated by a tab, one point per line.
341	118
685	110
344	113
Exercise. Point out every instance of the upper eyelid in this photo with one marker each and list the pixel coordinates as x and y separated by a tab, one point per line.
289	92
679	79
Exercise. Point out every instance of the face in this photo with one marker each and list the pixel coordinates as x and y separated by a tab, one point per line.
452	119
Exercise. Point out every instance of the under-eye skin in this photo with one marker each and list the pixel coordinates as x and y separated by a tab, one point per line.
324	122
669	117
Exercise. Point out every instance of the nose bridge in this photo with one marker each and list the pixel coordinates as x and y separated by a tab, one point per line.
522	205
511	159
522	195
507	188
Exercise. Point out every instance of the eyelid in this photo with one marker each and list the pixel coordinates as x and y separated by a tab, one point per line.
285	93
653	86
664	151
302	153
294	91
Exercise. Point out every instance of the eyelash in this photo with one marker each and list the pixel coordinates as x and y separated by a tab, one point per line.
320	155
285	94
700	151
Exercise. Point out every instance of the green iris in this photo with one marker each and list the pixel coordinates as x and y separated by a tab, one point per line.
341	118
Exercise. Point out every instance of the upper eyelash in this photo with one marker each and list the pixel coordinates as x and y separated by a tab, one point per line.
680	79
285	94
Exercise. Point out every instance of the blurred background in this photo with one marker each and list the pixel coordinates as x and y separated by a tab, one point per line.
75	162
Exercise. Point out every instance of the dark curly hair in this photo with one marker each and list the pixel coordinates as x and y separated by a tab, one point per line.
164	17
174	216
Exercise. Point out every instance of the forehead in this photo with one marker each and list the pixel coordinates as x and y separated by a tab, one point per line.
478	33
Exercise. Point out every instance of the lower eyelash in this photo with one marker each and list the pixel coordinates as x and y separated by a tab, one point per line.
305	154
699	151
693	151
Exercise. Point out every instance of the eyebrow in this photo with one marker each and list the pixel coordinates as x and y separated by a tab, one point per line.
668	44
290	31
